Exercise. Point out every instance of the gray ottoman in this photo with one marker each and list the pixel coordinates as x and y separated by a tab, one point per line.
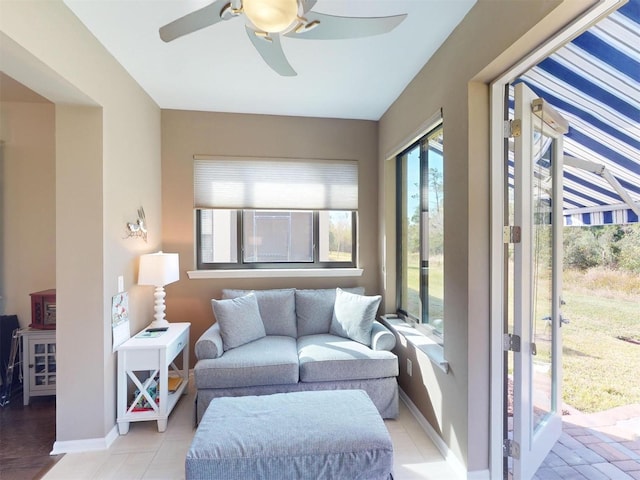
335	434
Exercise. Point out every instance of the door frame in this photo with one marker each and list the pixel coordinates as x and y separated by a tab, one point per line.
497	181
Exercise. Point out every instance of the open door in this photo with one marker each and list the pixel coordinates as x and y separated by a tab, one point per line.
537	274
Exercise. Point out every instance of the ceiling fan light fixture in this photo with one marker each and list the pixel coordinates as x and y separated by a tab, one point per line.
271	16
263	35
305	26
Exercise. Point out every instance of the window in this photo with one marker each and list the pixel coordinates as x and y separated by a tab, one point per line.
275	239
265	213
420	231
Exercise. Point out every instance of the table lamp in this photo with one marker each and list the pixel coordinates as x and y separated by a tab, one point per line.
159	269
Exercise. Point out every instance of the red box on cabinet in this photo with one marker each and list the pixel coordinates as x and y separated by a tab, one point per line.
43	309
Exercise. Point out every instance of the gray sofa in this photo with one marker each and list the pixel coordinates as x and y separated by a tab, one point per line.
290	340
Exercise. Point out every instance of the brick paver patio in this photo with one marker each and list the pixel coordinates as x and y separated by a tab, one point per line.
603	446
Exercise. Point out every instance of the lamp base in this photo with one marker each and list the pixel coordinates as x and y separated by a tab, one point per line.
159	308
159	324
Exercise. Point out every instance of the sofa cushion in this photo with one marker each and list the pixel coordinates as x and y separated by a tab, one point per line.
314	309
277	309
239	320
271	360
326	357
353	316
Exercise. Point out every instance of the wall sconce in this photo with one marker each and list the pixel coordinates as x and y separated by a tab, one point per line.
139	228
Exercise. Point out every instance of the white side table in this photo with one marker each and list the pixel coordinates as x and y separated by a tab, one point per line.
146	361
38	363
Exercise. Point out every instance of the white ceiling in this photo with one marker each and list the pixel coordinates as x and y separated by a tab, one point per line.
217	68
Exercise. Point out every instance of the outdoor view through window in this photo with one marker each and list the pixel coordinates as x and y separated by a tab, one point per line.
420	177
276	237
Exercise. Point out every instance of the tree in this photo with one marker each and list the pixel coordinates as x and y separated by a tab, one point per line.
629	249
436	185
609	246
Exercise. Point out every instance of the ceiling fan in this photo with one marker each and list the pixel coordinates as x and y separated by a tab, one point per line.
267	20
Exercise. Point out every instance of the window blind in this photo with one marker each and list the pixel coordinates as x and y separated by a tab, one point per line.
257	183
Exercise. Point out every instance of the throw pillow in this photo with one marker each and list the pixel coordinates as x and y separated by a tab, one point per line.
314	309
353	316
239	320
277	309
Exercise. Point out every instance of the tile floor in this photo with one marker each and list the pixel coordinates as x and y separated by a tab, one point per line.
604	446
146	454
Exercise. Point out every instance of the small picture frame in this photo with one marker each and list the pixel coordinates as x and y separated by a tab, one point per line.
120	319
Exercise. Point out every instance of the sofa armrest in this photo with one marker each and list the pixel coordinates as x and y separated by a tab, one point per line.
381	337
209	345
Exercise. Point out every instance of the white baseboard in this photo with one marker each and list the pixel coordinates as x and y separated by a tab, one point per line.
90	444
452	460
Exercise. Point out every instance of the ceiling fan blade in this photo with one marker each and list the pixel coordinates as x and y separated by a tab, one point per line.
272	53
194	21
332	27
307	5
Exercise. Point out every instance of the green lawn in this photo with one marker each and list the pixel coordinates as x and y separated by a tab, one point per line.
600	370
336	256
436	292
601	362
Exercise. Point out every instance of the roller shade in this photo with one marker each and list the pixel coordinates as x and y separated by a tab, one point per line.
279	184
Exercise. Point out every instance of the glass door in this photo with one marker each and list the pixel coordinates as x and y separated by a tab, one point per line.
537	274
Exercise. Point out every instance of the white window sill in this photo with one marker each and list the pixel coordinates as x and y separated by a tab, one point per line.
419	340
276	273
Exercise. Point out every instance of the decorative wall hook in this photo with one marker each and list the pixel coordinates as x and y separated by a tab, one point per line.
139	228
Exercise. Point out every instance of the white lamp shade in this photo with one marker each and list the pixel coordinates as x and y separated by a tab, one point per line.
159	269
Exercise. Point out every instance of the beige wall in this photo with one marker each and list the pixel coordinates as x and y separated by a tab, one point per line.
491	37
187	133
121	135
28	216
107	166
79	334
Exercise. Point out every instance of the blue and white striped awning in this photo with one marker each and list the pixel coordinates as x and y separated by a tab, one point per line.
594	82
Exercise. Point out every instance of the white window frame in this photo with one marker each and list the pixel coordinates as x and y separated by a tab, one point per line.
426	327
